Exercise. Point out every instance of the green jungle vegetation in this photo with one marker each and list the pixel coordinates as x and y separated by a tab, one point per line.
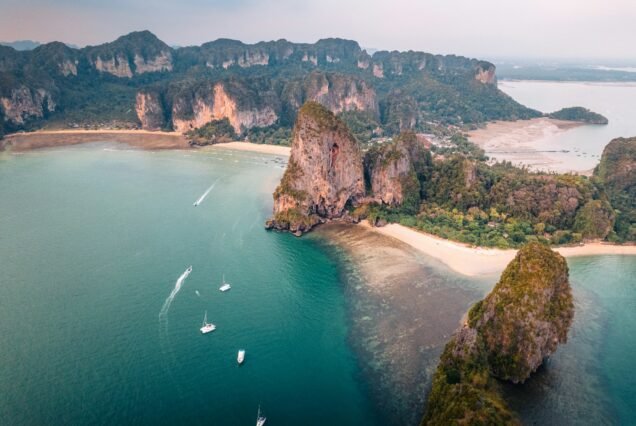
462	198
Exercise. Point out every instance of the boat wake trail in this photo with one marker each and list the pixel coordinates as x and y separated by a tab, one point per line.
205	194
173	293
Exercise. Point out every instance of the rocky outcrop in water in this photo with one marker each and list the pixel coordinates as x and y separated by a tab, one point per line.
324	173
507	336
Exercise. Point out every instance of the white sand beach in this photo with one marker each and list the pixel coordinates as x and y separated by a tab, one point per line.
474	261
255	147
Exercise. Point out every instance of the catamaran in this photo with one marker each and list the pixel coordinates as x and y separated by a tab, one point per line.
207	326
260	420
224	286
241	356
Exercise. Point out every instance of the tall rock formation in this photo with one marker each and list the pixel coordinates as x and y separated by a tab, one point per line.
507	336
392	173
324	173
150	111
617	173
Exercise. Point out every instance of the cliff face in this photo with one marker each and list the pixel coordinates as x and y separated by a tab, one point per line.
130	55
149	108
398	90
323	175
215	102
24	103
617	173
527	315
340	93
391	170
507	336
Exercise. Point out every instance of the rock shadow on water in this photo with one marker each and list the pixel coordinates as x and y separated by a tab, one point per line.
403	308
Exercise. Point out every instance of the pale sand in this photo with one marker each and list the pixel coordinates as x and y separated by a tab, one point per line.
254	147
53	138
519	142
474	261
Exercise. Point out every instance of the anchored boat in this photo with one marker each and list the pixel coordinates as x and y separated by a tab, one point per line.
225	286
241	356
207	326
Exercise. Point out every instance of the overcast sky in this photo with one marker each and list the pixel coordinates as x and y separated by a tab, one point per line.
479	28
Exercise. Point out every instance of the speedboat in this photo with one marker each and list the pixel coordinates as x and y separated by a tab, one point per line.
207	326
224	286
260	420
189	269
196	203
241	356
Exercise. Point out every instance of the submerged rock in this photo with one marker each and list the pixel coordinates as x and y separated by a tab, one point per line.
507	336
324	172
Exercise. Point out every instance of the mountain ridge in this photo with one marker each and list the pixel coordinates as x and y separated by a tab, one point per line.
260	85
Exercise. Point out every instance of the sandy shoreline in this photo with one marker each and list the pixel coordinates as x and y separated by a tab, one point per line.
143	139
255	147
519	142
476	261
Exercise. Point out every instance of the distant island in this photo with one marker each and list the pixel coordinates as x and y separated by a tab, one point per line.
579	114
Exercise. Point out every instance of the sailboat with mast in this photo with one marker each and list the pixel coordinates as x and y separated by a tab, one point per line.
207	327
225	286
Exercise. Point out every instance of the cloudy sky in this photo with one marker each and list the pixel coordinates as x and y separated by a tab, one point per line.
482	28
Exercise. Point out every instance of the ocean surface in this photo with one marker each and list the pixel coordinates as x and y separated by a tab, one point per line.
92	242
96	326
616	101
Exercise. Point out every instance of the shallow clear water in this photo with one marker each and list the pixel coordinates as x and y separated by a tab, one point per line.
92	242
616	101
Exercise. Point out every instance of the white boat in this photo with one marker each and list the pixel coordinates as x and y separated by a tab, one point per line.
241	356
196	203
189	269
260	420
224	286
207	326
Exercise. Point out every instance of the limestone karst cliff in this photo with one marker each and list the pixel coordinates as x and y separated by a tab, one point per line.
507	336
324	173
392	171
98	85
150	110
616	173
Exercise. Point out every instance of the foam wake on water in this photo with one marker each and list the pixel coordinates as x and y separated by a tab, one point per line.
173	293
205	194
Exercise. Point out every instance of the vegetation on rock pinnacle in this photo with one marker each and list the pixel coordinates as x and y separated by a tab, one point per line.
507	336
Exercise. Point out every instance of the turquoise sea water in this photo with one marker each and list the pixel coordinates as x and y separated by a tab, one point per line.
93	239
